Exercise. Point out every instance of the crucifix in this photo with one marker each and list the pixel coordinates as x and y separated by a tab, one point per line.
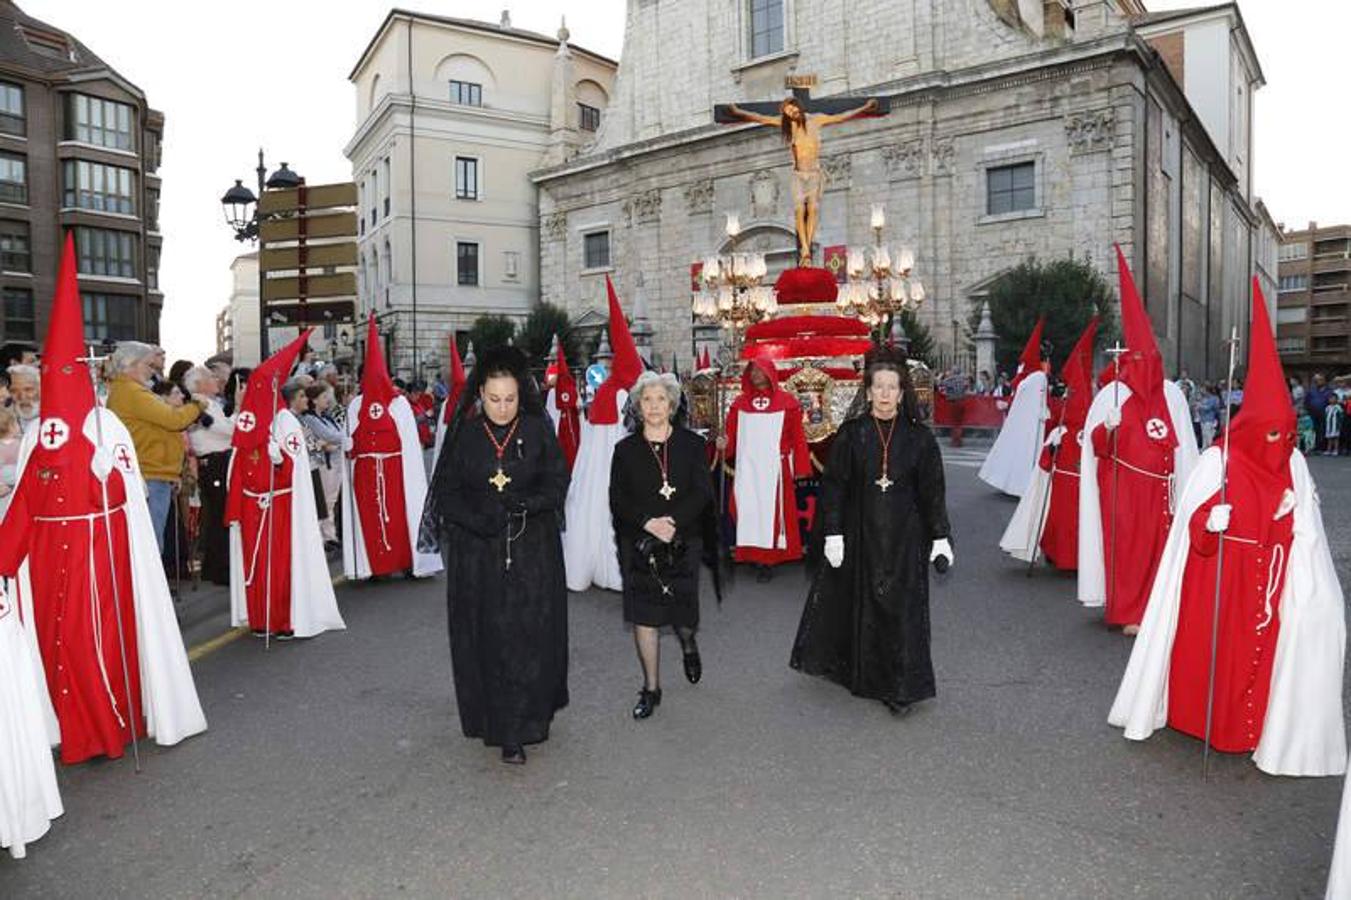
800	118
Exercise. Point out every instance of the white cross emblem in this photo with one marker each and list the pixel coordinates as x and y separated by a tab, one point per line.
293	445
245	422
375	411
564	397
122	457
760	403
53	433
1156	429
1079	437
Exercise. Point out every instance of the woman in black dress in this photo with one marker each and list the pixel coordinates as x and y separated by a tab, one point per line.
659	492
495	504
884	516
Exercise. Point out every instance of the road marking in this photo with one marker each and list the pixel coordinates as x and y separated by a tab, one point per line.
207	647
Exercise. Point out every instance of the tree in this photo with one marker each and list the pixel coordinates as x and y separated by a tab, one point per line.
489	331
1068	292
921	342
536	336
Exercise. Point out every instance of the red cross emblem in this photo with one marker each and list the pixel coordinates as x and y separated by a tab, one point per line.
245	422
375	411
53	434
122	457
760	403
564	398
1156	429
293	445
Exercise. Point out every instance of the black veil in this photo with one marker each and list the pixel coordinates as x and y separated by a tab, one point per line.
886	359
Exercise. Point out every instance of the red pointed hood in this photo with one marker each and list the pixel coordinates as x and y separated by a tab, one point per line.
1077	373
625	367
1264	430
705	363
376	385
67	390
457	381
262	397
565	387
1030	361
1142	366
765	364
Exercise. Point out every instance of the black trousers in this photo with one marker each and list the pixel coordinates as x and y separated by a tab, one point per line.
212	470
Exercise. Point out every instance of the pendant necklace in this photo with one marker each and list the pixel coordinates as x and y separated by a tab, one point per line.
884	482
501	479
663	463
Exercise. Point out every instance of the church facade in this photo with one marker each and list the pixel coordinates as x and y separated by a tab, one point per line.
1016	129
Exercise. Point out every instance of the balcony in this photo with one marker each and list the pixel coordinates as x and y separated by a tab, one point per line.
1332	262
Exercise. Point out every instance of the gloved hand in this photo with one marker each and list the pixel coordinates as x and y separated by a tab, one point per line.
274	452
102	463
1218	520
942	548
1113	419
835	550
1057	435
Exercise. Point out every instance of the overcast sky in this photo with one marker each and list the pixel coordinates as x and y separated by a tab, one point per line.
197	60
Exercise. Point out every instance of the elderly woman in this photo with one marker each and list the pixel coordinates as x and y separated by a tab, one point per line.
325	440
496	501
659	492
156	427
211	445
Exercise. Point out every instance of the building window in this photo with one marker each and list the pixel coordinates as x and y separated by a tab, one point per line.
466	263
375	197
14	251
13	178
466	178
1288	345
590	117
766	27
104	123
1294	250
1291	315
385	173
20	319
11	109
98	187
152	268
1333	343
106	252
1294	283
1010	188
110	316
596	250
466	93
152	210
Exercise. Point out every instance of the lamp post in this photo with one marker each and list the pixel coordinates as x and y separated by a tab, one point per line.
240	206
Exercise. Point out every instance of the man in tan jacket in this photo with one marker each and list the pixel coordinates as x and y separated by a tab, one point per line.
156	427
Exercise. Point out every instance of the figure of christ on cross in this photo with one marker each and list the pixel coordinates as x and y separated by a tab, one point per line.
801	120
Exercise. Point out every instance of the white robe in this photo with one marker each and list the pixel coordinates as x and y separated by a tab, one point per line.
1009	465
355	562
1303	732
1339	876
29	798
589	552
759	489
1022	536
1092	575
314	607
168	694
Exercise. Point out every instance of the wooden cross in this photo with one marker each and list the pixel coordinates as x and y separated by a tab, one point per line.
800	86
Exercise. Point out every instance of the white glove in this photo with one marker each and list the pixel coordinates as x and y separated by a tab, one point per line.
1057	435
1001	405
102	463
274	452
942	547
1287	504
835	550
1218	520
1113	418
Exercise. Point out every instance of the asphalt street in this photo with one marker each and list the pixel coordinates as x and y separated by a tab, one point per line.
335	767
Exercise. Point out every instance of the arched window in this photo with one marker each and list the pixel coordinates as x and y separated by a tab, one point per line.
467	79
376	93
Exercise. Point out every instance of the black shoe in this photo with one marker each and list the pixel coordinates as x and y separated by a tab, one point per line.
284	636
764	574
899	708
259	633
513	754
647	702
694	667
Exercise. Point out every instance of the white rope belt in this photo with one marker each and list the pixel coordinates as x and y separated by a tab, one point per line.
380	491
91	518
1059	471
1275	570
265	504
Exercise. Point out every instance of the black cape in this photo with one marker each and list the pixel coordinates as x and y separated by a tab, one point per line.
508	626
866	624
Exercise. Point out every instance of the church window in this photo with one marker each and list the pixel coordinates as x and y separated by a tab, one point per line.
596	250
766	27
590	117
466	263
466	178
1010	188
466	93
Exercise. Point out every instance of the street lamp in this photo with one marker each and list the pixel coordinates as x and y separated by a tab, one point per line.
240	206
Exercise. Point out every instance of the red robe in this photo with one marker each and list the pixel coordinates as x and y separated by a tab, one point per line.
73	596
1144	491
247	504
377	478
1256	548
1060	536
794	457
